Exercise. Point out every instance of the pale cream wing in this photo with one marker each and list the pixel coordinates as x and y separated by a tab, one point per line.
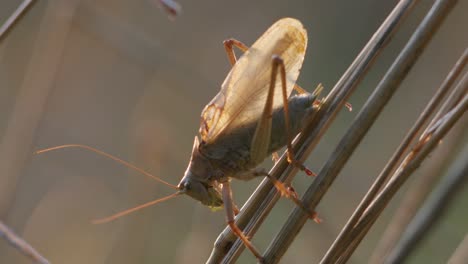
244	91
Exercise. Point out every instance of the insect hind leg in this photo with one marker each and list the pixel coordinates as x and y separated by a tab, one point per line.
262	136
278	62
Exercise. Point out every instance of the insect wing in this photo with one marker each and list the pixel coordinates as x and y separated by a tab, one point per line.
244	91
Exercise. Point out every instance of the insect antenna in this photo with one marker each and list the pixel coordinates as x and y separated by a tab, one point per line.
126	164
107	155
136	208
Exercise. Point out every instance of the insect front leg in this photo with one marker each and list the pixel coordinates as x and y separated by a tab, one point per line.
235	208
228	205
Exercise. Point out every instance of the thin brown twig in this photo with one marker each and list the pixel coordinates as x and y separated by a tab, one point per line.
432	210
14	18
33	92
422	186
344	237
407	167
22	246
359	235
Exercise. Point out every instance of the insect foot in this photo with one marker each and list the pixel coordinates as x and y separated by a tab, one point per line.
305	169
236	230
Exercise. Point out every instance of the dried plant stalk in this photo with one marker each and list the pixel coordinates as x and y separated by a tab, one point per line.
456	97
22	246
10	22
427	143
38	80
422	186
432	210
364	120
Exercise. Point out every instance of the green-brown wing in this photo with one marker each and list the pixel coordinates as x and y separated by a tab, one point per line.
244	91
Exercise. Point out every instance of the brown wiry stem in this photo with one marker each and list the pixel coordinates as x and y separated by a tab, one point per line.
403	215
408	166
432	210
355	237
14	18
22	246
384	91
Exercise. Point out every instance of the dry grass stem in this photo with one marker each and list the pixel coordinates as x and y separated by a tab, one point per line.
11	21
30	104
22	246
354	135
412	161
419	189
432	210
344	236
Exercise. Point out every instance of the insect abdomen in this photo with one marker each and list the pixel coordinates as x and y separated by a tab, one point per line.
231	153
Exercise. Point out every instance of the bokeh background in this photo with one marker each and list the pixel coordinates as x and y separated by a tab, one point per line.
120	76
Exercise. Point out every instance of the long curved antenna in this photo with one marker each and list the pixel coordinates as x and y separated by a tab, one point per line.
133	209
107	155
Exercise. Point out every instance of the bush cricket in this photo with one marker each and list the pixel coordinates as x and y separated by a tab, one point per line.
251	117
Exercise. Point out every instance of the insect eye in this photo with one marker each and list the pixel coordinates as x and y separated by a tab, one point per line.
187	186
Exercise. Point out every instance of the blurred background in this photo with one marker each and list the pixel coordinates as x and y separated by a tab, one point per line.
120	76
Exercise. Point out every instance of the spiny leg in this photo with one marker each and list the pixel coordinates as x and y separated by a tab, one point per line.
275	156
278	63
229	47
283	189
261	138
228	205
290	193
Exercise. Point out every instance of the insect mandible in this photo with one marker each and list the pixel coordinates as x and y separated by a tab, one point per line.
251	117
